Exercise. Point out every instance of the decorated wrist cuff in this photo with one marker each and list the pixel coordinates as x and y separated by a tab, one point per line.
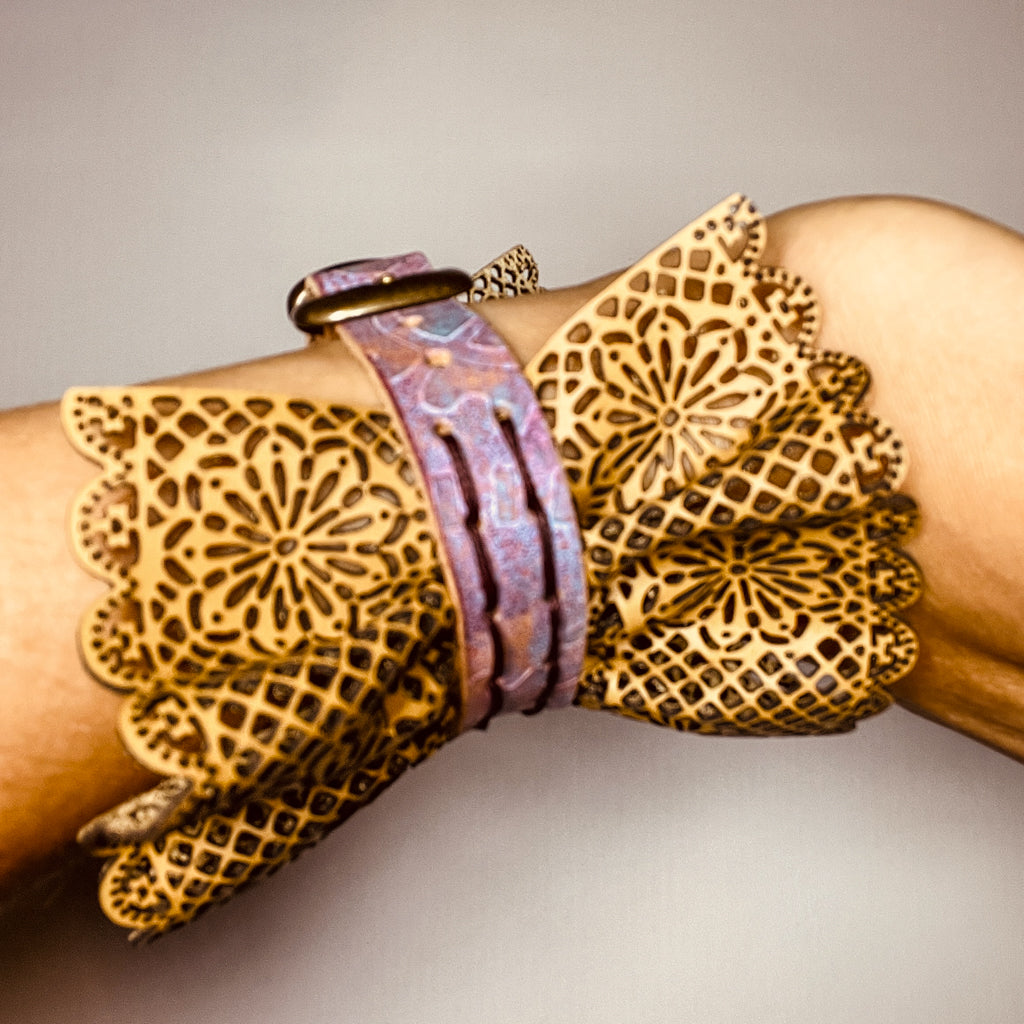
678	511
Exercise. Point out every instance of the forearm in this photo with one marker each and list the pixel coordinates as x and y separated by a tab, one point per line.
932	300
912	316
59	756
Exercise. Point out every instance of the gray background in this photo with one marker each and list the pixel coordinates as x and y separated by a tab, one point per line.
168	169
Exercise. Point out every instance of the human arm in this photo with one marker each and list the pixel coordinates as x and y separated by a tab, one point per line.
927	297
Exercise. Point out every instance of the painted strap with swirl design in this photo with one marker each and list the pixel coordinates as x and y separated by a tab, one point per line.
501	501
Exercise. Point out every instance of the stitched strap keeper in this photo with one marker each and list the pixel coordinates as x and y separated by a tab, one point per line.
501	501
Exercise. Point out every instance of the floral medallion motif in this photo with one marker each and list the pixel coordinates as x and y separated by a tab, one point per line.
278	613
737	507
279	616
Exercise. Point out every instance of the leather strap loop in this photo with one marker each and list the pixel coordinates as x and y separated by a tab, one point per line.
507	525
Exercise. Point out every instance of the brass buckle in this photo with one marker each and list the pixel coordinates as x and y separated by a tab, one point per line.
313	314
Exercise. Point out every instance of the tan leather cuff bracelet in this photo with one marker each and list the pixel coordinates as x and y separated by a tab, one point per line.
683	516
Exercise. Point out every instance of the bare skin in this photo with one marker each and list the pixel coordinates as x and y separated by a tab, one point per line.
930	298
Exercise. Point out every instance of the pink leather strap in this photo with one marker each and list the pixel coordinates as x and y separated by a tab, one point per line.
508	529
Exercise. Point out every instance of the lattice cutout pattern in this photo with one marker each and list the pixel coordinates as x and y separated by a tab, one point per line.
737	508
514	272
279	616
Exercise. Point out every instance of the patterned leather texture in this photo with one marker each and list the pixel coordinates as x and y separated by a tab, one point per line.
284	620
